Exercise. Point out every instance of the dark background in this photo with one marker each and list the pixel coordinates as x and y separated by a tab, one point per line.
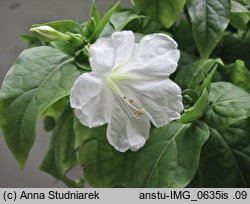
16	17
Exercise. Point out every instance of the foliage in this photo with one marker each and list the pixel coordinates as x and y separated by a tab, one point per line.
208	146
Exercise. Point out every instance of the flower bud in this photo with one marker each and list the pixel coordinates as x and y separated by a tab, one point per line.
75	39
48	34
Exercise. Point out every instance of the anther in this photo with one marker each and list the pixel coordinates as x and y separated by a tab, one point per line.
140	112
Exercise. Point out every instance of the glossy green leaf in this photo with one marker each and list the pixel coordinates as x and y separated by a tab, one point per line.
209	19
228	104
170	157
237	74
225	157
61	156
193	74
163	11
40	77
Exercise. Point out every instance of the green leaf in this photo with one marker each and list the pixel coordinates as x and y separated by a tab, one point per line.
237	74
228	104
206	83
238	7
225	157
235	48
40	77
107	30
65	47
185	59
170	157
138	37
184	37
148	26
209	19
61	156
164	11
94	12
90	27
103	165
122	18
197	110
193	74
71	46
100	26
240	15
244	2
244	34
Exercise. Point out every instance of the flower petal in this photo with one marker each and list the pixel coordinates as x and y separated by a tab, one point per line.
124	44
157	55
88	97
125	132
161	99
109	53
102	55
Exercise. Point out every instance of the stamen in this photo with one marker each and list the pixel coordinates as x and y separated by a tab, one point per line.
140	112
119	95
127	103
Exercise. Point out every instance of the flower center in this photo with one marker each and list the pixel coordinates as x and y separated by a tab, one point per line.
126	102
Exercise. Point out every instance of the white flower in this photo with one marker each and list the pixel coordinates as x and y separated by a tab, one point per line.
128	87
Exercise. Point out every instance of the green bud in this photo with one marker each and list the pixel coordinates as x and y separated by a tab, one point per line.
48	34
75	39
189	98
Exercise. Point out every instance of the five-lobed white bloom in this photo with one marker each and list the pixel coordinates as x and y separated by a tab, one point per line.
128	87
